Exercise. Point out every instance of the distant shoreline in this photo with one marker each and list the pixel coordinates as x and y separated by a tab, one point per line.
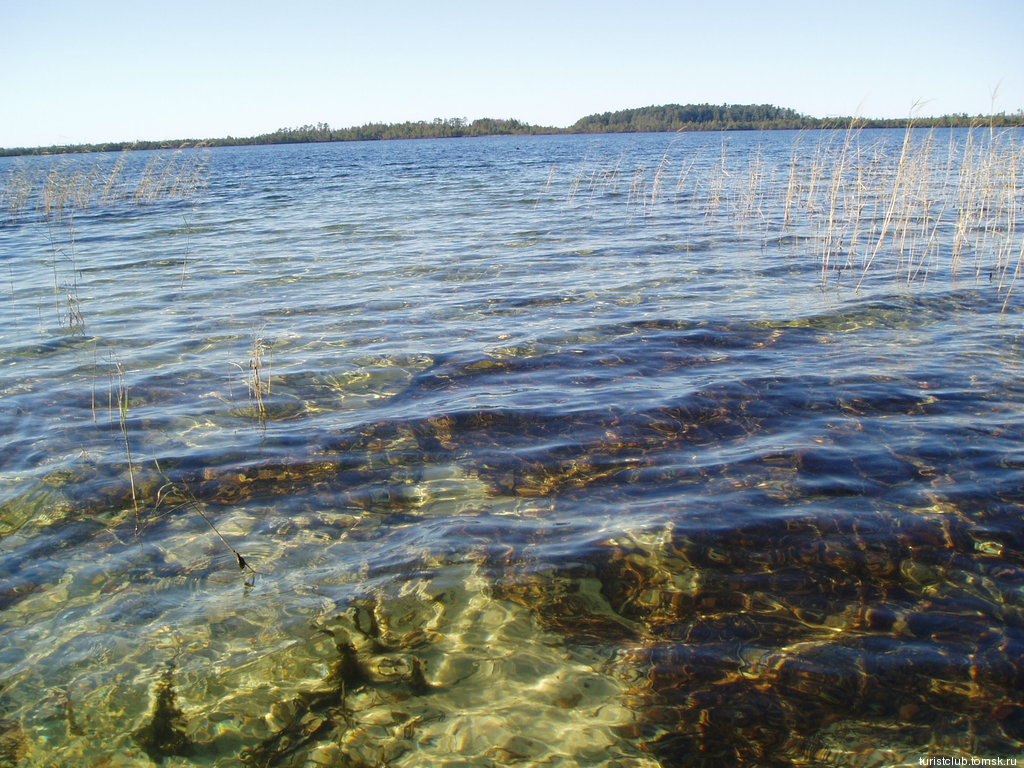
670	118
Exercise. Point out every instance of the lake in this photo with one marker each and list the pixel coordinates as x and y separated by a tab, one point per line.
624	451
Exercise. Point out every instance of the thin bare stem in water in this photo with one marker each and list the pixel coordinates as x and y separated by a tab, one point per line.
656	184
188	243
122	409
1013	278
170	487
716	185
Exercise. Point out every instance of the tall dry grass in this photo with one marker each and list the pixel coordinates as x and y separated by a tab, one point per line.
934	204
53	192
69	184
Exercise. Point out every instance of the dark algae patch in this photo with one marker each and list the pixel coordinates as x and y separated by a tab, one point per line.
13	744
839	625
163	733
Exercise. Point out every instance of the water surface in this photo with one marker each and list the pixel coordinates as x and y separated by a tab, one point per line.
642	451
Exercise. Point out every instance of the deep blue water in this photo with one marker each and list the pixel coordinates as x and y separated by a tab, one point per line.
643	450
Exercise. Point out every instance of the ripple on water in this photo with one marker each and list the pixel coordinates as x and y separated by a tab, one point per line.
609	479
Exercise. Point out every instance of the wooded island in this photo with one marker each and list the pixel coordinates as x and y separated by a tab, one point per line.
668	117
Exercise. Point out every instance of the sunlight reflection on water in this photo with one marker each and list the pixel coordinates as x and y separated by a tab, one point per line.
554	450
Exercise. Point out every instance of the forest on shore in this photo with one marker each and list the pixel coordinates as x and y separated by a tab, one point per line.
665	118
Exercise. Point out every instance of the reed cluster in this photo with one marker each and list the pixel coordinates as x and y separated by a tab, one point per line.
939	202
69	184
54	191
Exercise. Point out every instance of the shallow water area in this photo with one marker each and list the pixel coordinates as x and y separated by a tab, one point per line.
642	451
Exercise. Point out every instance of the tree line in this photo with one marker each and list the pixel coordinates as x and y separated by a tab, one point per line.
677	117
438	128
664	118
739	117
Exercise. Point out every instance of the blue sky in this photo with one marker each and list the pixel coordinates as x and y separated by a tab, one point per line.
106	70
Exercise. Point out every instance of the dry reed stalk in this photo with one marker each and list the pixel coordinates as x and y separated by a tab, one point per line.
576	182
54	194
574	187
912	209
1010	208
791	185
818	164
987	208
113	184
753	190
188	247
683	177
17	189
965	203
832	242
857	207
92	399
894	197
1001	225
930	234
122	409
637	192
612	176
717	184
656	184
258	385
67	305
1013	278
145	187
604	180
551	176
